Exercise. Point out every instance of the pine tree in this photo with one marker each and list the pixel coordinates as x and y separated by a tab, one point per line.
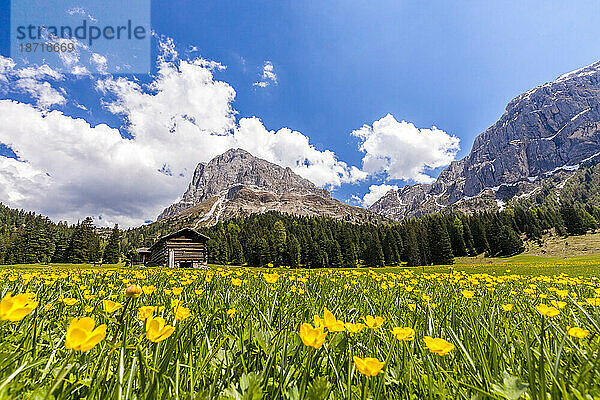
292	251
374	254
112	251
439	243
573	219
279	235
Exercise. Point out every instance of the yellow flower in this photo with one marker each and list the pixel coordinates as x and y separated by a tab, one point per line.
412	307
594	301
507	307
167	291
81	335
547	311
177	291
468	293
157	330
198	291
438	346
405	334
368	366
558	304
577	332
312	337
110	306
88	296
148	289
175	303
70	301
426	297
236	282
133	291
331	323
88	308
146	312
354	328
373	322
231	311
319	322
182	313
271	278
15	308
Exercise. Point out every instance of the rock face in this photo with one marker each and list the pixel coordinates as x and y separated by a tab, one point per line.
554	127
236	183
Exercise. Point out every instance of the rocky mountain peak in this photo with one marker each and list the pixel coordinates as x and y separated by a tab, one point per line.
236	169
553	127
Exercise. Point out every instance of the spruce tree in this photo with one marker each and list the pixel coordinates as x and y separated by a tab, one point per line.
439	243
112	251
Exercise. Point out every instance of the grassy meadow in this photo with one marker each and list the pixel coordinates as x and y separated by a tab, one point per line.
524	327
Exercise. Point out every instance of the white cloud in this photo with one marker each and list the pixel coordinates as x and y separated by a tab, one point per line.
81	11
375	193
68	169
33	80
268	75
402	151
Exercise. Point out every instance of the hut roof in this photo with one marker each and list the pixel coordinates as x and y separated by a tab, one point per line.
187	232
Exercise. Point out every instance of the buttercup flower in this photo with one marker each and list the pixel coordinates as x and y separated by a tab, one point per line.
157	330
331	323
177	291
593	301
69	301
15	308
438	346
368	366
404	334
373	322
468	293
182	313
412	307
271	278
547	311
507	307
110	306
577	332
146	312
312	337
231	311
558	304
148	289
354	328
236	282
82	336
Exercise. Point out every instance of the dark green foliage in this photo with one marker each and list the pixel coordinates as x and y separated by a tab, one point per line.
26	237
112	251
439	243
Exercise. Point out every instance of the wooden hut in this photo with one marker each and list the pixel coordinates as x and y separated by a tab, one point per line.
142	256
183	249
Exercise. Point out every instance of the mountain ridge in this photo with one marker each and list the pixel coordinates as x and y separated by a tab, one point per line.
549	128
236	183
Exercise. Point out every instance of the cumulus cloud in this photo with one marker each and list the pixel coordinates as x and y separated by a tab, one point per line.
32	80
68	169
399	150
268	75
375	193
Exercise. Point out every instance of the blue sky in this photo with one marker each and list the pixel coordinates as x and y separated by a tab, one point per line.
336	66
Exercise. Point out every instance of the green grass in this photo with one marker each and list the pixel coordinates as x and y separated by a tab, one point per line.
257	351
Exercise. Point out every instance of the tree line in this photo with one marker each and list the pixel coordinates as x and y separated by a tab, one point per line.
313	242
27	238
317	242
